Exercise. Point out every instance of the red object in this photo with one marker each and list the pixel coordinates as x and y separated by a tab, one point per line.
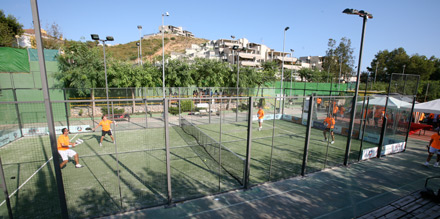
415	127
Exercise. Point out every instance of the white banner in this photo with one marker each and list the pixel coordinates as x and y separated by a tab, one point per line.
394	148
369	153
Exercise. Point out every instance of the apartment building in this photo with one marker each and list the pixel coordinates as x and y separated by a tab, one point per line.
27	39
314	62
239	51
175	30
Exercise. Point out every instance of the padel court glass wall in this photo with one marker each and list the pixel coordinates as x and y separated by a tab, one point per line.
175	149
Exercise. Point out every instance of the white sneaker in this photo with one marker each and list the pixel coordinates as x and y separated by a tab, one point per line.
332	142
100	144
436	164
426	163
259	129
325	139
78	166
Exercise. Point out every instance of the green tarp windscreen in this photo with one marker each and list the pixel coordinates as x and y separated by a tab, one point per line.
14	60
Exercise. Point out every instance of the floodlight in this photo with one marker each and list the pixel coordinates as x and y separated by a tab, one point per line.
235	47
285	29
139	27
94	36
109	38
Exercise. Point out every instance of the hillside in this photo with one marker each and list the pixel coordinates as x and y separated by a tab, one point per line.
152	47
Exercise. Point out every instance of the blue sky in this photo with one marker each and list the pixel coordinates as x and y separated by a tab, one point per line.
413	25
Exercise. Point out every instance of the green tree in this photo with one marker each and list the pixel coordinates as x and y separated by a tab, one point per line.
54	39
267	73
80	67
436	74
339	59
178	74
305	74
9	28
398	60
211	73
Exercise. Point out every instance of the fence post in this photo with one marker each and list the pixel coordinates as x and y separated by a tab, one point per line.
409	121
167	149
146	113
308	131
67	111
48	107
17	110
249	144
5	190
363	128
273	138
383	130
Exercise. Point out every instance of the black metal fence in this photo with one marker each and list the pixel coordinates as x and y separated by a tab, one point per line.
178	148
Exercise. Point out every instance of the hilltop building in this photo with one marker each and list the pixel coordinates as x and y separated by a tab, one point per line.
27	40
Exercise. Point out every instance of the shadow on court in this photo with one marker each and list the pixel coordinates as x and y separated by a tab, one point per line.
342	192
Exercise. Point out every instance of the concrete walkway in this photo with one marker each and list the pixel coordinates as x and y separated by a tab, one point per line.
344	192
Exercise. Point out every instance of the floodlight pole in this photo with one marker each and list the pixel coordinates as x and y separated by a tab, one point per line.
282	64
163	55
291	72
140	42
365	16
105	72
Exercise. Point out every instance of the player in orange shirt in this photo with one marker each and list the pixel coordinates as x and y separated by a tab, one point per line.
335	111
260	115
330	122
341	111
318	101
105	123
64	150
434	148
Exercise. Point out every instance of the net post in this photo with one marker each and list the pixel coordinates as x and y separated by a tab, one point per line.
249	144
308	131
167	149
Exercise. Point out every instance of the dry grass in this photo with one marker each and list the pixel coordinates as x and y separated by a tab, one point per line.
152	47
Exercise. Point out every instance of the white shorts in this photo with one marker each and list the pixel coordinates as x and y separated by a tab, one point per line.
66	154
260	120
433	150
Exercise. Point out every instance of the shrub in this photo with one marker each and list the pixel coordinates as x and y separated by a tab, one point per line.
116	111
186	105
173	110
173	38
